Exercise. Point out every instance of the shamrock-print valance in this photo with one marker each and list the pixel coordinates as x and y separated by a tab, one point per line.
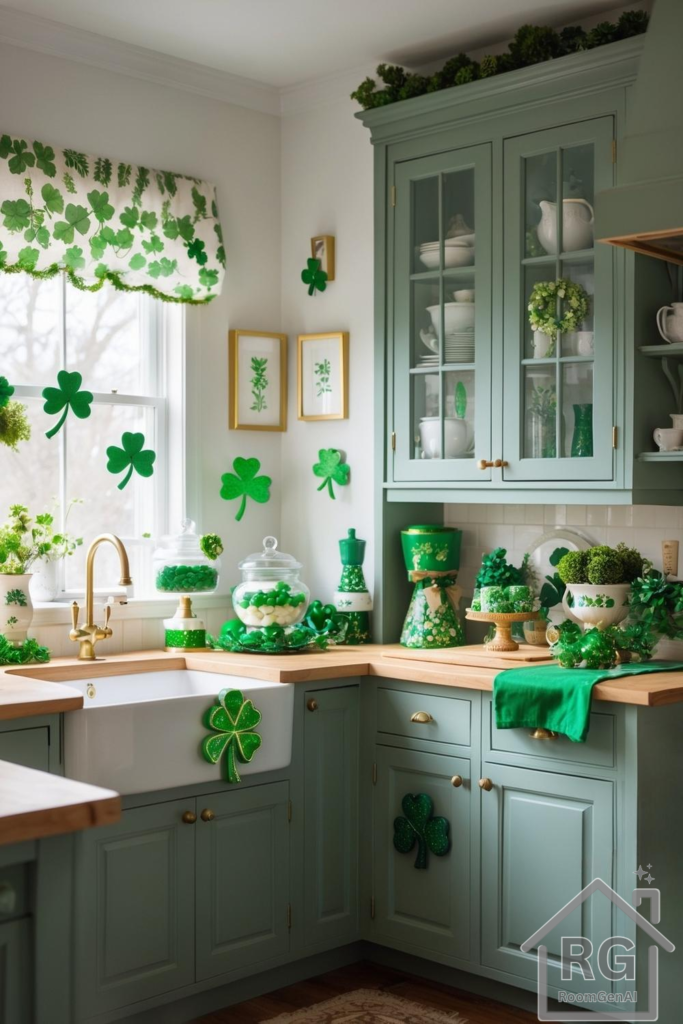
101	220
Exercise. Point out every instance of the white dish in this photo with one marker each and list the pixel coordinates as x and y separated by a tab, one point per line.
454	256
457	316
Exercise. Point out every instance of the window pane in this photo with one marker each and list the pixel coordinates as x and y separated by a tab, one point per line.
31	476
129	512
30	329
106	338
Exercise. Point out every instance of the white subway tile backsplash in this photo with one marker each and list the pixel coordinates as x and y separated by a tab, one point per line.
576	515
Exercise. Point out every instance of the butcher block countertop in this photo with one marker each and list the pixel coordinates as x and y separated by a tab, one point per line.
34	804
41	689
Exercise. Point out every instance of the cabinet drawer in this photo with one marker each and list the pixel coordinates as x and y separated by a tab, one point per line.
28	747
510	745
450	718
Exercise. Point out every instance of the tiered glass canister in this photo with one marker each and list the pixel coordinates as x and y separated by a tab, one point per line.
181	567
271	592
432	558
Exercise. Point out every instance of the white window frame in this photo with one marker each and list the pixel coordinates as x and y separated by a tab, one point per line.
166	378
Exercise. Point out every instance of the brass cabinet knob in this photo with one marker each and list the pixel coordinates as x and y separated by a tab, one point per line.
456	781
312	704
496	464
543	734
207	814
189	817
421	716
486	785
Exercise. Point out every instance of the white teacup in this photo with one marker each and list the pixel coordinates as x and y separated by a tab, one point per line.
464	295
676	420
668	439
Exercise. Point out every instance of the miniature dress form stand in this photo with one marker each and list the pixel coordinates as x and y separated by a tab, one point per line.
352	598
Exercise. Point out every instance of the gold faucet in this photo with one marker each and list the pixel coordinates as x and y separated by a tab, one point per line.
89	634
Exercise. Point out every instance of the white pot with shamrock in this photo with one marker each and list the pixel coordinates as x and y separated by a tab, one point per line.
16	607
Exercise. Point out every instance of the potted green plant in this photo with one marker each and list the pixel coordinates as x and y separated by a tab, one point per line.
598	583
44	583
657	605
24	541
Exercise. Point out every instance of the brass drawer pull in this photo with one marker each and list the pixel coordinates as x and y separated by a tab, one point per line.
456	781
207	814
486	785
189	817
421	716
496	464
312	704
543	734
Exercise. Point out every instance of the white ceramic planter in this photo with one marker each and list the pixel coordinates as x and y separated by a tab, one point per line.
16	607
44	585
543	344
455	437
596	605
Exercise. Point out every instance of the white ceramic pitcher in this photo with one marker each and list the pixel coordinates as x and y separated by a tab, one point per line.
670	322
577	225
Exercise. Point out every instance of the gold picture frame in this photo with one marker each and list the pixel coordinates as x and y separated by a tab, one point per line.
322	248
323	376
257	402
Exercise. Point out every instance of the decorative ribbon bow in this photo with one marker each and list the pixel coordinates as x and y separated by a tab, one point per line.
439	587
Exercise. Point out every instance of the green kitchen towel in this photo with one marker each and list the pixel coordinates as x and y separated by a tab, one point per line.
552	697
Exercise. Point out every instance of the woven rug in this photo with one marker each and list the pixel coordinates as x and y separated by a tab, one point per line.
368	1006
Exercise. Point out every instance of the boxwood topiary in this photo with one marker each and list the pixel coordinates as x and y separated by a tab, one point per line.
572	567
632	561
605	570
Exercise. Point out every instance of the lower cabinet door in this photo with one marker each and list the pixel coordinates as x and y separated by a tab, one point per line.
331	816
544	838
242	880
135	907
427	908
16	972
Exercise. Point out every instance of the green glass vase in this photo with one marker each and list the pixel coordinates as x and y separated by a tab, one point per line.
582	438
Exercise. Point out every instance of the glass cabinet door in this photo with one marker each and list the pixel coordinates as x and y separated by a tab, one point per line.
558	321
442	317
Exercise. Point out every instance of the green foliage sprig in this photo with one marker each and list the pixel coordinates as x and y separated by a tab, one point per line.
601	565
23	540
532	44
657	605
211	545
543	303
30	650
14	425
497	572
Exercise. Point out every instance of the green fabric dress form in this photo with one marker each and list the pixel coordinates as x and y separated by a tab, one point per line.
352	598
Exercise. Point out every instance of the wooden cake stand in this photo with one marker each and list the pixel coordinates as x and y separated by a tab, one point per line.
503	621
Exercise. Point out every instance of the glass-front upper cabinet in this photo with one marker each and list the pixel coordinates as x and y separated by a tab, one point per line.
558	293
442	317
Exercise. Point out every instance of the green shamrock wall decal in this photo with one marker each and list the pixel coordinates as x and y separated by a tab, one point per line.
67	396
418	824
6	391
244	483
131	457
331	469
314	277
233	720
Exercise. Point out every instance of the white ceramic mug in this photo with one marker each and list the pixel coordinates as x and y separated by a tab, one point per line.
464	295
668	439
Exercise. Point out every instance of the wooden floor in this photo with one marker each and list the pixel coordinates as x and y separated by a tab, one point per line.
475	1009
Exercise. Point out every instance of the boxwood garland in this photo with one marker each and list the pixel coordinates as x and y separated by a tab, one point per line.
543	303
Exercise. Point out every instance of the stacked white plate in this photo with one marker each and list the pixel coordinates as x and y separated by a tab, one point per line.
460	347
458	252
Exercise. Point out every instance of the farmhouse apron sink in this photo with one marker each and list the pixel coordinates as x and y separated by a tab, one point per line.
143	732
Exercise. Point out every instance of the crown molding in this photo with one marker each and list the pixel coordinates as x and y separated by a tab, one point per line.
58	40
321	92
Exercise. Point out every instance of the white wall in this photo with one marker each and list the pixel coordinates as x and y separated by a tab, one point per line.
327	189
71	104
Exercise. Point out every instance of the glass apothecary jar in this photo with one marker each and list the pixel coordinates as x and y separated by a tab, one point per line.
181	567
271	591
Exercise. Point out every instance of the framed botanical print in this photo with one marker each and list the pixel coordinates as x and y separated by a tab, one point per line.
323	376
322	248
258	380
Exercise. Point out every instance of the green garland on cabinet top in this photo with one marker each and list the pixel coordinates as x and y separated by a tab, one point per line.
532	44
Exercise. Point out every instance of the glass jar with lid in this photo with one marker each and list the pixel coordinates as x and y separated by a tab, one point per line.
180	565
271	591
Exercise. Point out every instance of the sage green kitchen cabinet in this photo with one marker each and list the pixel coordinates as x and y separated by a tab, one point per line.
545	836
16	972
427	910
241	878
331	753
135	907
32	742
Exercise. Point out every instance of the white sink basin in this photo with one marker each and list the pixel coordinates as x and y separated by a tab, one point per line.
144	732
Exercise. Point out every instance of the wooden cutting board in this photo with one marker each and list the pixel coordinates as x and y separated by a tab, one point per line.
474	654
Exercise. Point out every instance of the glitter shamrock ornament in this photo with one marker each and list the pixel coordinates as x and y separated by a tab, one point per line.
233	720
418	826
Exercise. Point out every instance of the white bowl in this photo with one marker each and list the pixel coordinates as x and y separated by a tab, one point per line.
458	316
455	437
454	256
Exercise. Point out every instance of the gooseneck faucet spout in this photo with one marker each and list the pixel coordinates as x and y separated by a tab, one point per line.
89	634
